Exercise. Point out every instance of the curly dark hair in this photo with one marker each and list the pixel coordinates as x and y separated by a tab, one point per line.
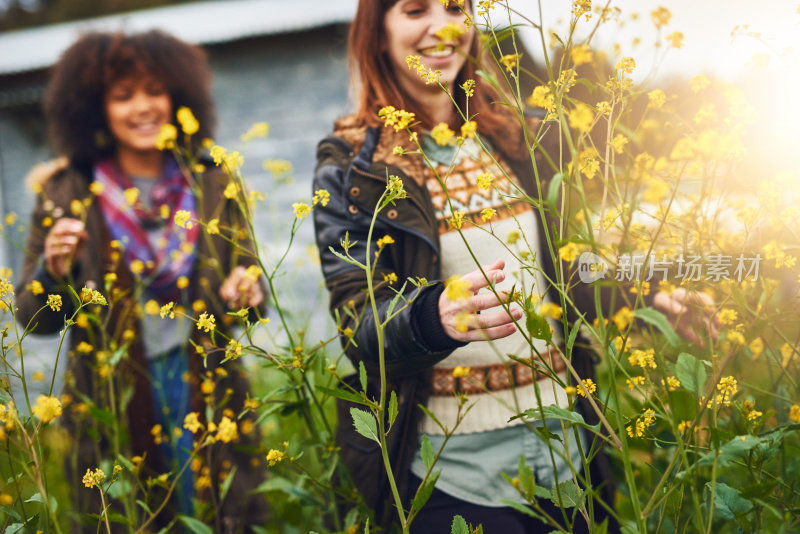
74	101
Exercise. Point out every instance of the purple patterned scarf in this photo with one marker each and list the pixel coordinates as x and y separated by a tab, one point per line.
129	225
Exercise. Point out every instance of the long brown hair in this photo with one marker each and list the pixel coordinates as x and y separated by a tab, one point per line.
375	80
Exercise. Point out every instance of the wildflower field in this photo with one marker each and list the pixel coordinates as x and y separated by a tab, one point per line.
679	187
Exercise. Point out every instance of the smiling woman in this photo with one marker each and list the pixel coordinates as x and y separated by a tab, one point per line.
121	218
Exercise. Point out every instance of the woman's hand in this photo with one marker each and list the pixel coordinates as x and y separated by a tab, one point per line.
64	241
240	290
479	326
691	312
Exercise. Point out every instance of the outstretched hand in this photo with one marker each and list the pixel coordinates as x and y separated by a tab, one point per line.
240	290
693	314
457	314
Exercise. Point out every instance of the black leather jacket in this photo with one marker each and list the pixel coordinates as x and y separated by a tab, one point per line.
353	165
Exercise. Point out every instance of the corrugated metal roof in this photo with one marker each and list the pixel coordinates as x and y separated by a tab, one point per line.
199	22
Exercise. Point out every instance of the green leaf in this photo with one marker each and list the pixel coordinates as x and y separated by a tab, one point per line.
342	394
362	376
537	326
102	416
731	451
392	408
566	495
226	485
522	508
433	417
144	506
36	497
555	412
424	493
553	191
727	500
426	451
365	423
117	355
691	372
119	489
459	526
657	319
198	527
573	334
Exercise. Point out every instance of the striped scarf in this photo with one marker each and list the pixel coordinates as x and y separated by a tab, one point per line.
129	225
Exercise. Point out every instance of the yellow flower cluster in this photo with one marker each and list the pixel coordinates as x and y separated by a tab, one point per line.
510	61
92	296
206	322
569	252
643	358
93	478
397	118
581	54
429	76
457	288
259	129
582	7
385	240
301	210
227	431
656	98
47	408
543	98
395	187
484	180
660	16
487	214
450	32
587	387
643	422
165	139
275	456
442	134
188	122
233	350
468	129
460	372
456	220
54	301
581	117
182	219
321	196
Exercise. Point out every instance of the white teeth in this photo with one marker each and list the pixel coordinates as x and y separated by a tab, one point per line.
435	52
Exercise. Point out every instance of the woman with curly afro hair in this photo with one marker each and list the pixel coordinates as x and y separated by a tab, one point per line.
104	221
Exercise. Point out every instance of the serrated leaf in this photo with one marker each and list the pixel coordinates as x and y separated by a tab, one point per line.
555	412
691	372
362	376
459	525
424	493
730	451
365	423
198	527
566	495
727	500
392	408
657	319
426	451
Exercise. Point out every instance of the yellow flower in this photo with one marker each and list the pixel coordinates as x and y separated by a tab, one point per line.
36	287
321	196
794	413
487	213
581	117
484	180
231	190
457	288
47	408
699	82
385	240
671	382
182	219
391	278
151	307
301	209
469	87
638	430
137	267
456	220
275	456
76	207
191	422
569	252
550	309
233	350
397	118
206	322
570	390
97	188
676	38
182	282
635	381
587	387
157	433
167	310
626	65
450	32
727	316
166	137
660	16
460	372
509	61
656	98
512	237
757	347
213	227
442	134
643	358
581	7
54	301
622	318
227	431
93	478
84	348
542	97
131	195
727	388
581	54
278	167
468	129
38	376
395	187
188	122
6	500
259	129
207	388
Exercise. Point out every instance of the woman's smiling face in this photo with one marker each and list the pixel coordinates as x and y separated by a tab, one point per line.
410	30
